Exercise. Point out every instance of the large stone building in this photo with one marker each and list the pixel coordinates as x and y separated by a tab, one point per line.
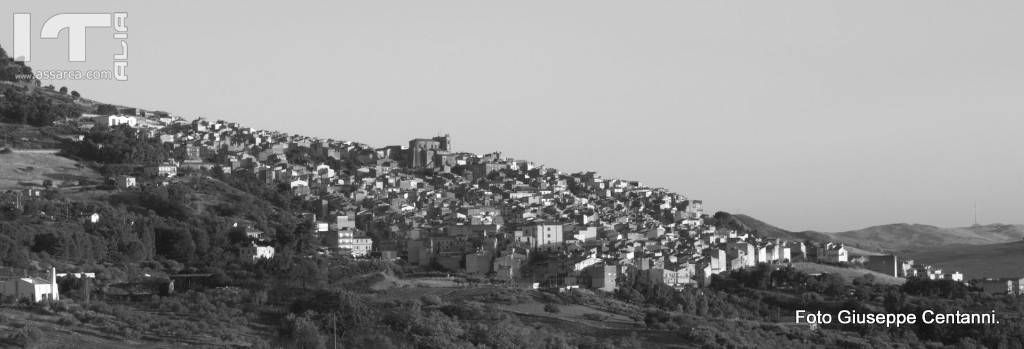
424	153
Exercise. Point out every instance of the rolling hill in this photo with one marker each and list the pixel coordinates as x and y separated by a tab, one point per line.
901	238
918	237
977	261
747	223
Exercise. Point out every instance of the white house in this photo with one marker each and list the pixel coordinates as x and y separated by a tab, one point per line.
298	183
117	120
835	253
585	263
361	246
166	169
258	251
32	288
126	182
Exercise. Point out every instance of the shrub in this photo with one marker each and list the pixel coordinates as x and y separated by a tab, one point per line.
28	336
67	320
59	306
552	308
431	299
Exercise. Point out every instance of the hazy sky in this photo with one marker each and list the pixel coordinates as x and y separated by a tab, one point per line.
806	114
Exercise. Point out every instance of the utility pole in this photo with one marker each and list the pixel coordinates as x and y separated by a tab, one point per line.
975	213
86	286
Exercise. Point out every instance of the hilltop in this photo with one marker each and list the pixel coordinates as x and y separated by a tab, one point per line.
917	237
752	224
900	237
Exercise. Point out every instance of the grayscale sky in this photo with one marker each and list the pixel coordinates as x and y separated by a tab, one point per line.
825	115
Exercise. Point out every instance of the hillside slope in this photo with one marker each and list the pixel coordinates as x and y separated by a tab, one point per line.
894	237
848	273
918	237
28	168
977	261
748	223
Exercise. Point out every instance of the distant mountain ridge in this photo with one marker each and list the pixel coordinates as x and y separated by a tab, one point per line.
912	237
976	261
900	237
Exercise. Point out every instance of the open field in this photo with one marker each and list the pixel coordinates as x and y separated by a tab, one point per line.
19	169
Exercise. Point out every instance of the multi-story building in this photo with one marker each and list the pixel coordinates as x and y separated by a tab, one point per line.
545	234
349	243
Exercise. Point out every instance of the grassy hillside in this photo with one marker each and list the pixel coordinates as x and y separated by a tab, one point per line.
978	261
847	273
915	237
17	136
23	168
900	238
748	223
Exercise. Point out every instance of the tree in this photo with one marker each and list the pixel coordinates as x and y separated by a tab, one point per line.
12	253
305	271
49	243
175	243
63	90
894	301
75	95
106	109
306	334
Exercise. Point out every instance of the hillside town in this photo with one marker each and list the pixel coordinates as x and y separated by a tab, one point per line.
505	219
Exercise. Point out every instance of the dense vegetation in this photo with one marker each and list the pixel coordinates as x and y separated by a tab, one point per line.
22	102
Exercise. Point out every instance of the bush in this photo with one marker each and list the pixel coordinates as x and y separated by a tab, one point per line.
552	308
28	336
431	299
307	335
60	306
67	320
